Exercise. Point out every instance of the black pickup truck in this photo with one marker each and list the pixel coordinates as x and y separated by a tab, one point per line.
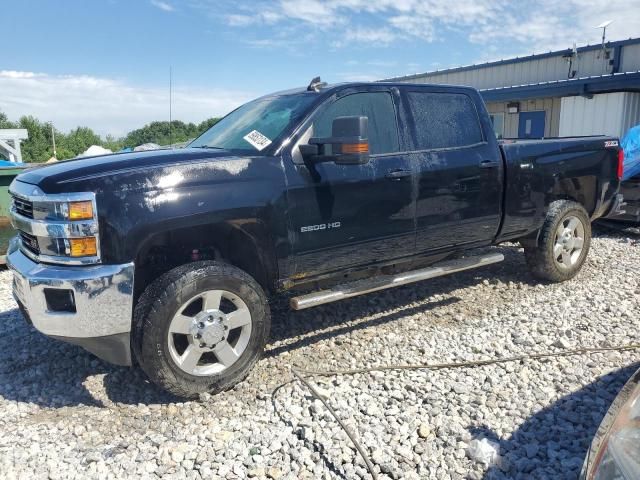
167	258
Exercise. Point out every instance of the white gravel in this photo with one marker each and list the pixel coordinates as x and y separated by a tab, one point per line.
66	414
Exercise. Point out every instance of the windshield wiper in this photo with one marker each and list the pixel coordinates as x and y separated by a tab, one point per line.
210	147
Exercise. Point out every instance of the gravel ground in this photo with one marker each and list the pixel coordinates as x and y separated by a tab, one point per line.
64	413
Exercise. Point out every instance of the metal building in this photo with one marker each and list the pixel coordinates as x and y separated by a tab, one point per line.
588	90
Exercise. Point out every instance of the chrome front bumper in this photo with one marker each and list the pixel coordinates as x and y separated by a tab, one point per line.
102	299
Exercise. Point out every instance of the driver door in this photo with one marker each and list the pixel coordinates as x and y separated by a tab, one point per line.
344	216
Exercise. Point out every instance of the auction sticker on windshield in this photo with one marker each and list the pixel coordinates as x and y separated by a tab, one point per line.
258	140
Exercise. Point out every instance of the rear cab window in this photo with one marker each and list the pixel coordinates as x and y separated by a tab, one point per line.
442	120
377	106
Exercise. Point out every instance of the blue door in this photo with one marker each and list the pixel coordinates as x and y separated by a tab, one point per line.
531	125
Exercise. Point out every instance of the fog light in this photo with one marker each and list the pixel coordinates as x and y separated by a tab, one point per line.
60	300
83	247
80	210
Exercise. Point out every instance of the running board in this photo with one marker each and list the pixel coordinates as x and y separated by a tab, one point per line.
382	282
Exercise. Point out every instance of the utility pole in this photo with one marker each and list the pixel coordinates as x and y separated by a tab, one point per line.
170	128
53	138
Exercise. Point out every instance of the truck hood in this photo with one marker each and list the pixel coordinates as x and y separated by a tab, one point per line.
59	177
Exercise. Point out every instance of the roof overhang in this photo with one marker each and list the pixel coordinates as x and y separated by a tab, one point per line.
587	86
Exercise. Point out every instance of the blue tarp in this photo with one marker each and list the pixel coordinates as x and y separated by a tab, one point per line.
7	163
630	143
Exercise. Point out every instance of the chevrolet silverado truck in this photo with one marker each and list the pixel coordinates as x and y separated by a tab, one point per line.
167	259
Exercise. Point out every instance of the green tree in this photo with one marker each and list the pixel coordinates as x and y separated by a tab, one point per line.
78	140
5	123
39	146
206	125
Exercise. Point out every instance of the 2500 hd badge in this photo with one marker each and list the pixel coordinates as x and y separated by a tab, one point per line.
321	226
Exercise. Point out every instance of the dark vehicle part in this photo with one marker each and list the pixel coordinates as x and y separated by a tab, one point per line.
630	191
200	328
615	450
563	243
348	144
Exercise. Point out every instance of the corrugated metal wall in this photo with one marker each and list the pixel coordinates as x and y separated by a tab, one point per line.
630	58
551	107
587	63
607	113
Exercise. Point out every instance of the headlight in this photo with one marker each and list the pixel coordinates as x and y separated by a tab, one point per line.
80	210
615	452
66	211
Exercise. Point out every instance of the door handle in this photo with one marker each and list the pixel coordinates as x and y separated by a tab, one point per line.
398	174
489	164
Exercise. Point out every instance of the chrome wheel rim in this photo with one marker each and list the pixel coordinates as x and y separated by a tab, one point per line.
569	242
209	332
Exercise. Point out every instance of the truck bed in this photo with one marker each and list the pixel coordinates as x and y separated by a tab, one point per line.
537	172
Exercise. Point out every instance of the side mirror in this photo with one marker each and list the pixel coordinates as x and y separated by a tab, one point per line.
348	144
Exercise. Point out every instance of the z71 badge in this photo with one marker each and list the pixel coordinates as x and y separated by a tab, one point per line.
321	226
611	143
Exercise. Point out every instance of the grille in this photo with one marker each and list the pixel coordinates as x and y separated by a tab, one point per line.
30	243
23	207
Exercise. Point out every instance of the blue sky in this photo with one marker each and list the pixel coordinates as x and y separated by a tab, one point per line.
105	64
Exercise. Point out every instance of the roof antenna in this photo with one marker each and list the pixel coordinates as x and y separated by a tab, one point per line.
604	26
170	101
316	84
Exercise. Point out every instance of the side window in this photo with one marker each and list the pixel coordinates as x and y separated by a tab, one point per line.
443	120
377	106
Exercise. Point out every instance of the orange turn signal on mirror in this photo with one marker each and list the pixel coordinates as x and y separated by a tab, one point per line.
355	147
83	247
80	210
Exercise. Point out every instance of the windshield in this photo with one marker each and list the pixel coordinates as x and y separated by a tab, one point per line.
255	125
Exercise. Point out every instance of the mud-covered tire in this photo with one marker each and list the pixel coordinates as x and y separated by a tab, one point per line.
165	297
542	257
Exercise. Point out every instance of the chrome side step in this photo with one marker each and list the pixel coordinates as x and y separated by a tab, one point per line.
382	282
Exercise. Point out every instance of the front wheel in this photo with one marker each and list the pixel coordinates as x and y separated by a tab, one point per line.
200	328
563	243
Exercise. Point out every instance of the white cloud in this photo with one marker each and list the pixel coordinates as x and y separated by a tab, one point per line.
236	20
311	11
552	24
509	26
162	5
243	20
106	105
382	36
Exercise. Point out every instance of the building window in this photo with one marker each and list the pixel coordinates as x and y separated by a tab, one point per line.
497	120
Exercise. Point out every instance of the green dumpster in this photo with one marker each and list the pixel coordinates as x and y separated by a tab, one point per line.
7	174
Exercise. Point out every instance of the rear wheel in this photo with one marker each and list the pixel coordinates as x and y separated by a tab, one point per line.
200	328
563	243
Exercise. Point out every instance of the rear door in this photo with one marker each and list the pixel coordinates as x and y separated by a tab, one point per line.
459	169
352	215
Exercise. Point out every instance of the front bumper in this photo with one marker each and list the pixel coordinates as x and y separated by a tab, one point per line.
102	297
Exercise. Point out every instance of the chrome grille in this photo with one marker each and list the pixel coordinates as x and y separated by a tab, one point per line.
23	207
30	243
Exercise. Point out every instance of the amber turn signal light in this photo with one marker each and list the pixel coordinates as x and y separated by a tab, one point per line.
80	210
356	148
83	247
